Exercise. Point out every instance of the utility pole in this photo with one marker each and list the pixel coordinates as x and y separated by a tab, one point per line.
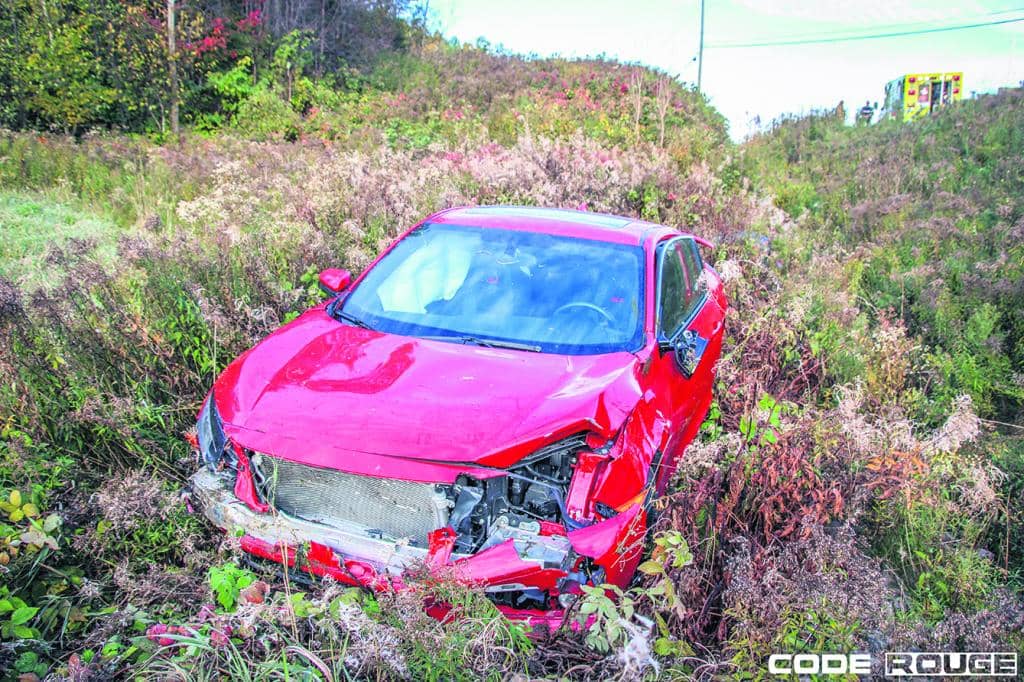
172	67
700	51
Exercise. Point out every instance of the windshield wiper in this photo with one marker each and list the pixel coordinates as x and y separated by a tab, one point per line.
340	314
486	343
496	343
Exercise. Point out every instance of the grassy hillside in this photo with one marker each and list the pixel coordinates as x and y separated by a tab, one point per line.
930	217
856	486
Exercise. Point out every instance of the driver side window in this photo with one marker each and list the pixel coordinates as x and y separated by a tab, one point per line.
681	285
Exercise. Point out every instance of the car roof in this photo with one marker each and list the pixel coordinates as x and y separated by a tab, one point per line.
560	221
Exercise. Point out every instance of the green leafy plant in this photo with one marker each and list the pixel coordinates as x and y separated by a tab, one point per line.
29	663
16	617
711	428
763	428
607	612
30	532
227	581
17	508
671	552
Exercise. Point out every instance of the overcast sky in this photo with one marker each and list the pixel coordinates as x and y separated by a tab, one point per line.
763	81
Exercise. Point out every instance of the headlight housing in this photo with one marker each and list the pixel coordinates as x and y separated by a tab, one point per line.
211	436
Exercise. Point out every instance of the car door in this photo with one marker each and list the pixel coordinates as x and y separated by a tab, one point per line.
689	326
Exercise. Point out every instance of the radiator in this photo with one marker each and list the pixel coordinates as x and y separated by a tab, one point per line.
386	507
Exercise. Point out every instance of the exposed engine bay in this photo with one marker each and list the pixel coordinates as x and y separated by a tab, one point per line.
531	492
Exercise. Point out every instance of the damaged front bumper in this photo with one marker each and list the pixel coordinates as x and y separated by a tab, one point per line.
546	564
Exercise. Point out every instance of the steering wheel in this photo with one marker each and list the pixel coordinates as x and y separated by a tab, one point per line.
589	306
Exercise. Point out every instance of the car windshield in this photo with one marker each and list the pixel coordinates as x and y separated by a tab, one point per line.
543	292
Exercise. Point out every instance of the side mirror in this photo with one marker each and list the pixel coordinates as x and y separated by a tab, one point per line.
688	349
334	280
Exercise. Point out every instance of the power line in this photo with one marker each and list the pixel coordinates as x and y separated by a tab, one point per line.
873	36
902	25
1007	11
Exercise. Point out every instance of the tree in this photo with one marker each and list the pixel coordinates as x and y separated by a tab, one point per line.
662	102
138	49
636	96
144	64
346	32
50	63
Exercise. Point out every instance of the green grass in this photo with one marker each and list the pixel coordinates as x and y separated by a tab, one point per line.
31	224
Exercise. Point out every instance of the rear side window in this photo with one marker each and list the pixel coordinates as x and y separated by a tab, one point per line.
693	266
681	287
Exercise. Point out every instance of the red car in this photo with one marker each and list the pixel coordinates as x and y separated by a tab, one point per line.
501	393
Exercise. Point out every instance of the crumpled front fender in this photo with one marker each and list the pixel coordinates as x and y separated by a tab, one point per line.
615	544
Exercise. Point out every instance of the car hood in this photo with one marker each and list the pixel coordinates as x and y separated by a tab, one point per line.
323	392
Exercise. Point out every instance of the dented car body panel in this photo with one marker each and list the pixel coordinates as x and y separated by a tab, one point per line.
522	465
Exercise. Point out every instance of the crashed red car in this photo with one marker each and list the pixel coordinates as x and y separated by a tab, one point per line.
502	393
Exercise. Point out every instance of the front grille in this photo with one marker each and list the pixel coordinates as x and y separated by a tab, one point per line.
381	506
